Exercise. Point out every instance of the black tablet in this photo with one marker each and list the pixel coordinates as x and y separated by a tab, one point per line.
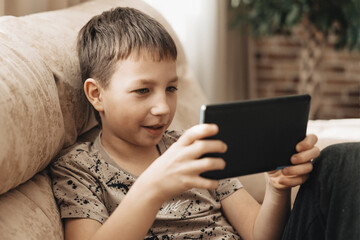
261	134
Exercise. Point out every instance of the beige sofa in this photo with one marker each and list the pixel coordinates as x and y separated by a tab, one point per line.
43	111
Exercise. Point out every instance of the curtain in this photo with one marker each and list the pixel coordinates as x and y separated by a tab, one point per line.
239	68
24	7
2	7
234	78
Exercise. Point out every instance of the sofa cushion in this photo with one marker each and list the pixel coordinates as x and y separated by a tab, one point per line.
31	129
30	212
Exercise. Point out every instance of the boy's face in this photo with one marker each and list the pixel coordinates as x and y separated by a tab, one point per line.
140	101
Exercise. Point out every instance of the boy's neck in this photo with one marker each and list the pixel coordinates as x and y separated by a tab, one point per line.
132	158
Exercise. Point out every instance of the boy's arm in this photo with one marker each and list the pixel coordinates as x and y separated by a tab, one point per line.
80	228
253	221
268	221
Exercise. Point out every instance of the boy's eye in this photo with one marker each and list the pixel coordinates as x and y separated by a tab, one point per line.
171	89
142	91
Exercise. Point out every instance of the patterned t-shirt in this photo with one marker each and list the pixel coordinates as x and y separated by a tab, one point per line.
87	183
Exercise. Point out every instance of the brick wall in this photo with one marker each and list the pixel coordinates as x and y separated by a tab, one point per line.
277	68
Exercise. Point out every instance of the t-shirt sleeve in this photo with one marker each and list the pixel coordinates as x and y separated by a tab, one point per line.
77	193
226	188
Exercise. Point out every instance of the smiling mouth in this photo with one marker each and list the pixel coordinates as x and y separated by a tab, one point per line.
154	127
155	130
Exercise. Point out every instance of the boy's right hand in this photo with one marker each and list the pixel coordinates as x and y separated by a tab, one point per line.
179	168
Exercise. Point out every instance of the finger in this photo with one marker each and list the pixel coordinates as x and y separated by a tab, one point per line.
293	181
203	183
198	132
201	147
305	156
308	142
302	169
206	164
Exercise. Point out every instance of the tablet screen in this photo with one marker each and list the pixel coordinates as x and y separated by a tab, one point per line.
261	134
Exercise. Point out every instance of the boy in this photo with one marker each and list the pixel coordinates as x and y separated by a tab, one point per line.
128	65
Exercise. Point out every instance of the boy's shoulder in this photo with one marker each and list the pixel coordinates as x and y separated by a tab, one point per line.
80	152
169	137
173	134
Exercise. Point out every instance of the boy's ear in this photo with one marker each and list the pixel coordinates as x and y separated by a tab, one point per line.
92	91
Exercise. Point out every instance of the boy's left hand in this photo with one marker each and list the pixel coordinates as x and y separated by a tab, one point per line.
299	173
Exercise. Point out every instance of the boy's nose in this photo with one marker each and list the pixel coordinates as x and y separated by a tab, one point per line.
160	106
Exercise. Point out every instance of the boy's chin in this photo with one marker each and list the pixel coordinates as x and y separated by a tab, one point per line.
149	143
151	139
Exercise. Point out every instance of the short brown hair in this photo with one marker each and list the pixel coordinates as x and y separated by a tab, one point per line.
115	35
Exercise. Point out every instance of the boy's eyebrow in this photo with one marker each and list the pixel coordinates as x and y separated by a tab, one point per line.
175	79
150	81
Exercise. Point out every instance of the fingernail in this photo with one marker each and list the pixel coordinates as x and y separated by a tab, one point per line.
225	147
212	125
